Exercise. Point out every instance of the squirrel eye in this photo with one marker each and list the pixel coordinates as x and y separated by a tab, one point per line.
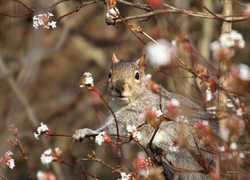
137	76
109	75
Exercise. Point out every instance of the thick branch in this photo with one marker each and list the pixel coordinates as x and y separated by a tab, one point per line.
227	11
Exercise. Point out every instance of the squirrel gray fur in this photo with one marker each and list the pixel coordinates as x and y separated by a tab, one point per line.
130	97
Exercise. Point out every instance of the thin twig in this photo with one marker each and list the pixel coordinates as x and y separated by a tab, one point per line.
78	169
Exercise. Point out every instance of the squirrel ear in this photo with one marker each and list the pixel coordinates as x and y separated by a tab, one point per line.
141	61
114	59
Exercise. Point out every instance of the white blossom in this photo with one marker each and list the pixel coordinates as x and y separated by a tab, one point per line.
148	76
124	176
209	94
132	130
215	45
52	24
232	39
242	155
158	113
228	103
43	20
113	13
40	130
160	53
10	162
47	157
239	112
50	14
99	139
87	80
233	146
244	72
40	175
175	102
221	148
173	148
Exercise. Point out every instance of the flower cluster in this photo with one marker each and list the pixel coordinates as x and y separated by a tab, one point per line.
141	162
7	160
232	152
48	157
132	131
102	137
87	80
160	53
232	39
43	20
225	47
41	130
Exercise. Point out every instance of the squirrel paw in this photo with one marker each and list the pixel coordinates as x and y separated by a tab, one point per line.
80	134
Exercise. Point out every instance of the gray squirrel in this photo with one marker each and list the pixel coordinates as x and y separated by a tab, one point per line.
130	96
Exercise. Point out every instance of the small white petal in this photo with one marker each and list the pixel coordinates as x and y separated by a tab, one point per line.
175	102
239	112
52	24
242	155
222	148
89	80
99	138
233	146
209	94
159	54
244	72
50	14
158	113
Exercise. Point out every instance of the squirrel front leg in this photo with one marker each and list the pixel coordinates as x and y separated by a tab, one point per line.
80	134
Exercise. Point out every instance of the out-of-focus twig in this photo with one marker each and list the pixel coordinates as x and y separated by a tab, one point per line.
171	9
21	97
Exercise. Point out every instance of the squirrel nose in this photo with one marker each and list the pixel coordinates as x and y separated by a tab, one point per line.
119	87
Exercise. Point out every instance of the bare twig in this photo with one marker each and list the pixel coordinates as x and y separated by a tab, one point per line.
78	169
230	18
16	142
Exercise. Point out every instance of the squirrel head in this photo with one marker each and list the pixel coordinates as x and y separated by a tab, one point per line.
126	79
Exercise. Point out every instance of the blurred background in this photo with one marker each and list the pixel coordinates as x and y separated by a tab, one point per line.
41	70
